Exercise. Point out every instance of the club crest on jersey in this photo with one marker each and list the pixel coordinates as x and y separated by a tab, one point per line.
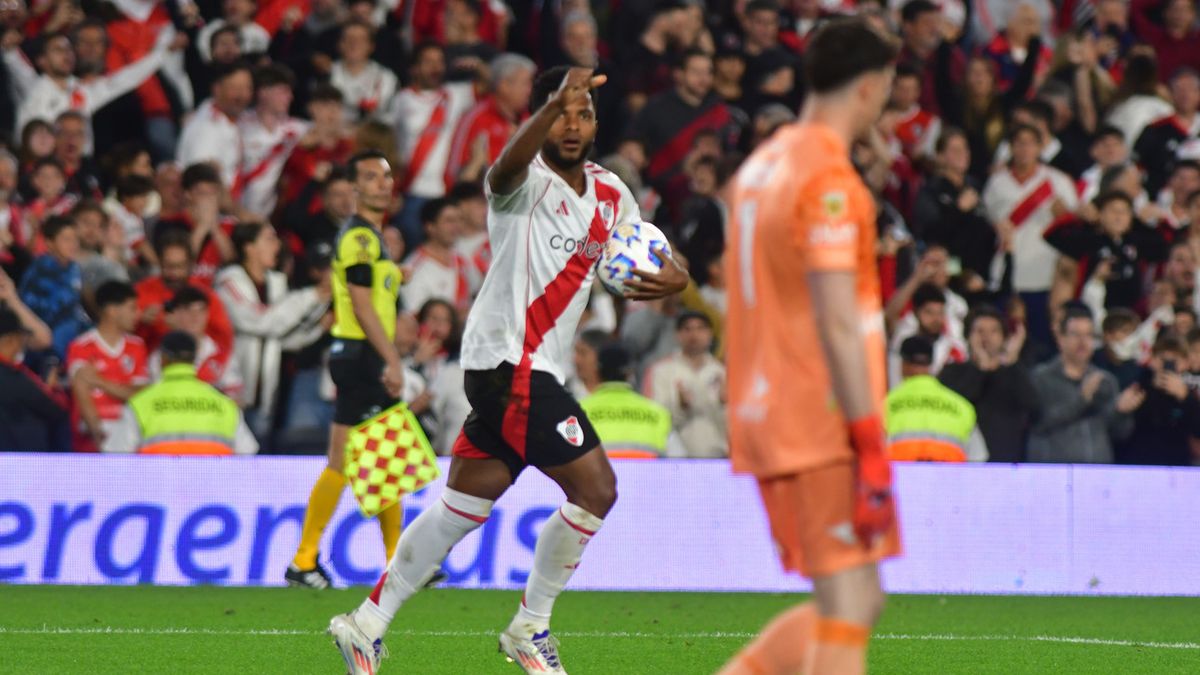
834	204
570	430
607	211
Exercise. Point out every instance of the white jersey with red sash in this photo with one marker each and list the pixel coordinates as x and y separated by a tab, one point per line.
1028	206
264	152
428	278
918	131
426	120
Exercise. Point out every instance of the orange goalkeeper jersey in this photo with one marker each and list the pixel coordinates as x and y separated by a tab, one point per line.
798	207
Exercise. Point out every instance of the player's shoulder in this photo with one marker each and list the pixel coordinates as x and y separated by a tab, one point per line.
606	177
356	238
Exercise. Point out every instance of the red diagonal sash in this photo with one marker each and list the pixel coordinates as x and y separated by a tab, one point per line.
427	140
1031	203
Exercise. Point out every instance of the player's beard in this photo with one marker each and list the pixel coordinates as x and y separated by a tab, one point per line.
551	153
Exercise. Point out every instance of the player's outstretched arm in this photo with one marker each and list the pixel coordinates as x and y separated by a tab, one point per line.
839	328
512	165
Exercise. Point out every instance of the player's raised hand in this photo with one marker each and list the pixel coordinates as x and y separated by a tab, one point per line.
874	508
576	86
669	280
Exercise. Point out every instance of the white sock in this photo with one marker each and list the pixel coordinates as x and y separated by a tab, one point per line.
422	547
557	554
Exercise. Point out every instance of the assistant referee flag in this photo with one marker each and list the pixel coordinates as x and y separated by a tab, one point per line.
389	456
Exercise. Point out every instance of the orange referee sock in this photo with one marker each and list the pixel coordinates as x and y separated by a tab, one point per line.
321	504
841	648
781	648
389	527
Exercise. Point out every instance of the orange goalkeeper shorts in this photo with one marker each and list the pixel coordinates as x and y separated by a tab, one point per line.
811	515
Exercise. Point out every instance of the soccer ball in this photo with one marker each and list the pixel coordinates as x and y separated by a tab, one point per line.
632	246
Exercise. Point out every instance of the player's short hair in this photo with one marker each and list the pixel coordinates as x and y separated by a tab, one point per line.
222	72
199	173
188	295
326	93
1108	131
1109	196
54	226
133	185
1018	129
113	293
980	313
546	85
243	235
463	191
507	64
914	9
432	209
1168	342
273	75
1119	318
1073	311
927	294
361	156
172	239
842	50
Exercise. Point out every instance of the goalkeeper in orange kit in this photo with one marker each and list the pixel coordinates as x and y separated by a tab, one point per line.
805	349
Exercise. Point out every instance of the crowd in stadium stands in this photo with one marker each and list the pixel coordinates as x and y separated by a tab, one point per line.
179	166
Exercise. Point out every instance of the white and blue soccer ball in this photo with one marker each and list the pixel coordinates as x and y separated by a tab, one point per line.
631	246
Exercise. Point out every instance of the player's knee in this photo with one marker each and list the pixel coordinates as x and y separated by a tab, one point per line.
598	497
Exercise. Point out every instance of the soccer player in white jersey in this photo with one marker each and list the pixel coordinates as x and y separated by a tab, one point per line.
550	212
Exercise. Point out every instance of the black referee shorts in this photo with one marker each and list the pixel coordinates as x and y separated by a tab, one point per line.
357	369
523	419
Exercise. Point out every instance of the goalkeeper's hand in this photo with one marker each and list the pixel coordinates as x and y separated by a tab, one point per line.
874	508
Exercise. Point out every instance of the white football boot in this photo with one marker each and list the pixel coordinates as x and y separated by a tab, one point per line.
535	654
362	656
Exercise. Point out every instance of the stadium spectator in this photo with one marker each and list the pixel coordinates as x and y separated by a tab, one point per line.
57	89
466	51
180	414
1176	41
1138	102
668	125
33	413
486	127
1022	202
585	375
1015	44
321	228
630	426
188	312
326	145
995	383
70	142
38	335
269	134
175	257
212	135
1172	137
579	44
367	87
928	320
426	114
949	212
239	15
473	244
267	318
201	220
691	384
1168	421
1118	353
925	420
940	62
1108	150
101	249
225	46
651	57
1081	412
134	193
435	269
106	366
433	376
52	284
13	234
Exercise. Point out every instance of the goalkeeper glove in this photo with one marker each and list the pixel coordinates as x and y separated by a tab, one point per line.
874	509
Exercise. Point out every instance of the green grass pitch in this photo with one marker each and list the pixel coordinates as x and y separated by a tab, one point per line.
128	630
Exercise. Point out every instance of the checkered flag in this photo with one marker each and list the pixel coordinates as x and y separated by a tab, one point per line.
388	456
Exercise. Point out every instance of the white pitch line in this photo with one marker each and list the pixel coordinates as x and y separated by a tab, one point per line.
711	635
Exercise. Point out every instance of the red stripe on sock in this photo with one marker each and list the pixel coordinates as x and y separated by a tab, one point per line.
378	589
479	519
568	521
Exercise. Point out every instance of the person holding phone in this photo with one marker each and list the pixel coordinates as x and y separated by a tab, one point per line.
1169	418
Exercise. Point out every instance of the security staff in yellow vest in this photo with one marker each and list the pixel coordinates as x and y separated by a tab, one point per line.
925	420
629	425
179	414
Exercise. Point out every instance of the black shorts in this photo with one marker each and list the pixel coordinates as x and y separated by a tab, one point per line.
529	420
357	369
